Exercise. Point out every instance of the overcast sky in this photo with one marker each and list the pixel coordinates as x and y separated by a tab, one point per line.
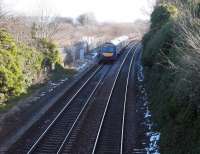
104	10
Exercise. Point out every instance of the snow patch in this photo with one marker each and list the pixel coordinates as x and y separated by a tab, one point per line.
153	147
42	94
94	54
81	67
147	114
154	137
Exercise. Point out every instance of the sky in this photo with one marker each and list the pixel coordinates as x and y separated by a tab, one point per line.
104	10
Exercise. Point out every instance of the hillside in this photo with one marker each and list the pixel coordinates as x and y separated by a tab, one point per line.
171	59
22	66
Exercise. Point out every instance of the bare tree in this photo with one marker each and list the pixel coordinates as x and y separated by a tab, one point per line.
150	7
86	19
45	27
2	11
3	14
66	20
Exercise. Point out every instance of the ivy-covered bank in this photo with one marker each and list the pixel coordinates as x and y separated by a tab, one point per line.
171	59
22	66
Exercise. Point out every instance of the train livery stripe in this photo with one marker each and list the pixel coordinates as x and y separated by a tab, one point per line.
108	54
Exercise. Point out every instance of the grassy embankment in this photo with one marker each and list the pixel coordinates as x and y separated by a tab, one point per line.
171	58
22	68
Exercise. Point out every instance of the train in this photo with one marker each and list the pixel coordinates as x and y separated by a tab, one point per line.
110	51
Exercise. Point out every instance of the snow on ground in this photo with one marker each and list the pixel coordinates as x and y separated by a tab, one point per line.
154	137
50	88
79	66
89	58
94	54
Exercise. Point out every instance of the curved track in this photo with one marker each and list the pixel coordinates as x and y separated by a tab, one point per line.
110	133
93	119
53	136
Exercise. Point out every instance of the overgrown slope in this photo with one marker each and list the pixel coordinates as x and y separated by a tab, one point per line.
172	69
22	66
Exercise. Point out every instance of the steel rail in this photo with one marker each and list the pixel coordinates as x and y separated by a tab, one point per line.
125	102
64	108
80	114
107	104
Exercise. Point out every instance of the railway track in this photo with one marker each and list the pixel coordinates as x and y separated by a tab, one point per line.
84	136
53	136
110	133
93	120
37	133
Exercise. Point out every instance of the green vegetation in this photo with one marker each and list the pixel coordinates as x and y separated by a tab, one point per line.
18	65
4	107
22	67
50	51
172	68
60	73
162	14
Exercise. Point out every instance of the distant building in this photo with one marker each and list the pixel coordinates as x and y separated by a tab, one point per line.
79	50
76	53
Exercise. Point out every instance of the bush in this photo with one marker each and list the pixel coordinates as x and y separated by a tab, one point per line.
159	45
11	75
19	66
50	51
163	14
30	62
174	91
6	41
161	35
197	10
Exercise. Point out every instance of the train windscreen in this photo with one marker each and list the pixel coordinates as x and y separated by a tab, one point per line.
108	49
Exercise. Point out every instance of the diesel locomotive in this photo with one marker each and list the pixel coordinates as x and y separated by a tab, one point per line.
110	51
